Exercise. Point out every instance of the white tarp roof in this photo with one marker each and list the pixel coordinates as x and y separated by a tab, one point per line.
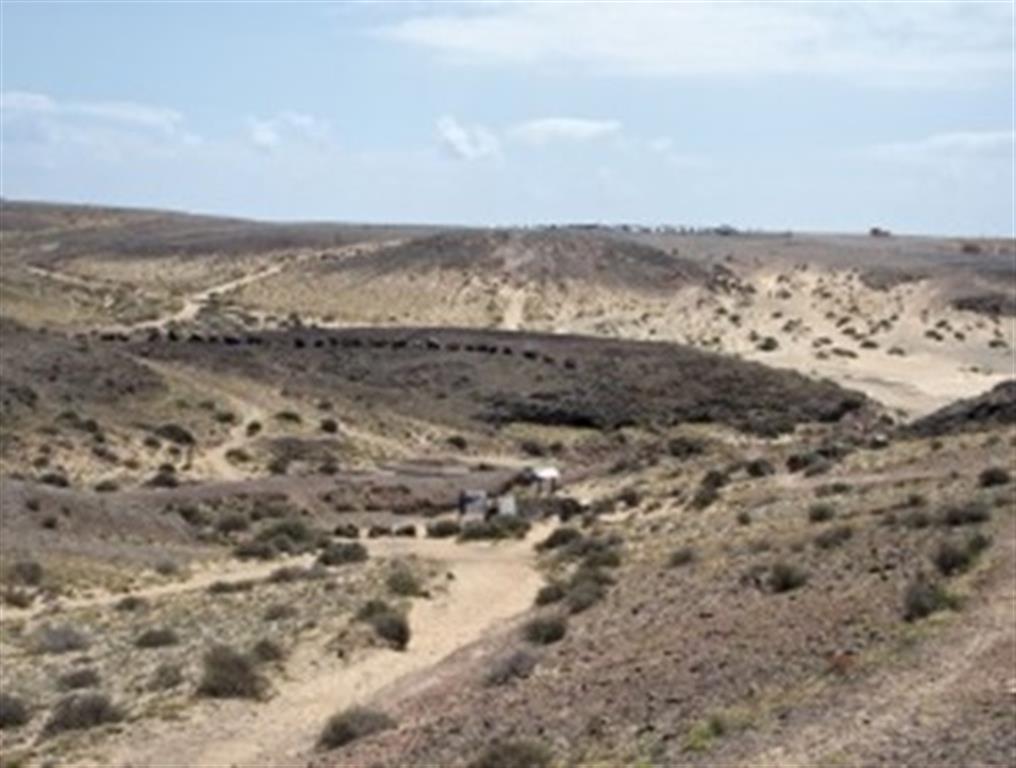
545	473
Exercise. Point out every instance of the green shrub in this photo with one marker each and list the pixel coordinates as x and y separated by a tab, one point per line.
14	712
255	550
499	527
342	553
785	577
583	592
759	468
923	598
19	598
560	537
545	630
156	638
834	537
232	523
951	557
62	638
402	581
392	627
78	678
513	754
966	514
387	623
288	574
25	572
279	611
993	476
353	724
266	650
346	531
916	519
229	674
821	513
516	665
681	557
685	447
550	593
165	676
443	529
81	711
231	587
131	603
291	535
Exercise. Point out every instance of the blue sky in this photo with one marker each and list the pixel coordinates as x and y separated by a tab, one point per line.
825	116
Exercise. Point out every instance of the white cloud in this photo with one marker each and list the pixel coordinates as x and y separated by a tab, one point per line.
467	142
547	129
270	133
930	43
107	128
20	103
948	146
663	146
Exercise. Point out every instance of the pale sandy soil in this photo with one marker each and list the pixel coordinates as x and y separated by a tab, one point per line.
799	308
487	585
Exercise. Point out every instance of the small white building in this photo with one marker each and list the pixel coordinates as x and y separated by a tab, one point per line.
545	478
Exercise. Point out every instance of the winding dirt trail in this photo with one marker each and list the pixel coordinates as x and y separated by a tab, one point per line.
488	584
194	303
214	461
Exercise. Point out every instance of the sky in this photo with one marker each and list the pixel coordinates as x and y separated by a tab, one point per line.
790	115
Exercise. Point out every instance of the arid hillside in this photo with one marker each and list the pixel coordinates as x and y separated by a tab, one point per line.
327	495
913	322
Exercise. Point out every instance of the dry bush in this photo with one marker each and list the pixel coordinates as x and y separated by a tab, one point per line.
61	638
834	537
965	514
513	754
993	476
560	537
516	665
443	529
353	724
229	674
550	593
821	513
402	581
159	637
78	678
14	713
923	598
28	573
165	676
266	650
343	553
545	630
785	577
81	711
255	550
681	557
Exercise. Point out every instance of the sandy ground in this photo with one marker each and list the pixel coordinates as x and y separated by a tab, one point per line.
487	585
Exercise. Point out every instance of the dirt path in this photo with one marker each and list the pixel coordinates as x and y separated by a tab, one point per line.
514	310
68	279
200	577
214	462
489	584
194	303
